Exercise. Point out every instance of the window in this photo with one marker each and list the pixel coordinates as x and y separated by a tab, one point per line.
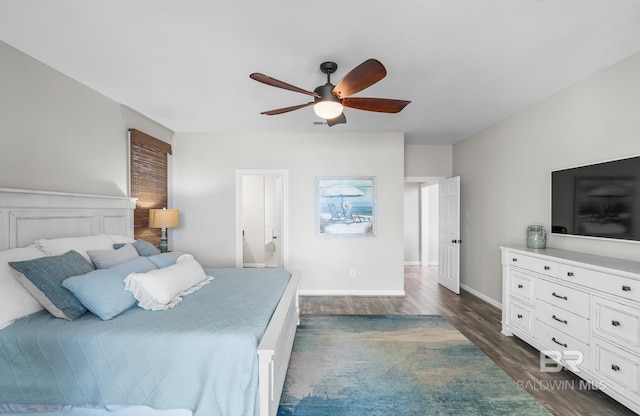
148	181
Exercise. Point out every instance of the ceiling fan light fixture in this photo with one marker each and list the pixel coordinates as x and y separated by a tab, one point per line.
328	109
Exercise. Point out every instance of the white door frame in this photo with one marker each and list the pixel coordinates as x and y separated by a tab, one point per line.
285	211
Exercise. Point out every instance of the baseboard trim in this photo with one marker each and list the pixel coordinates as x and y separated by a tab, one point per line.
482	296
412	263
371	293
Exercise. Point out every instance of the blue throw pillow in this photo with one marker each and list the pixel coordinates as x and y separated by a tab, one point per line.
104	259
166	259
137	265
144	248
43	278
102	292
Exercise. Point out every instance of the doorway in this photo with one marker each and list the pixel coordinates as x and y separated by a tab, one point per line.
261	218
421	220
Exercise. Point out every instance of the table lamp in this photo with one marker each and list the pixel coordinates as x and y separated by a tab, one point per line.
164	218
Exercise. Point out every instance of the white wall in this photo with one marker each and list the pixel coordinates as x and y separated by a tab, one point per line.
428	160
412	220
204	191
505	170
59	135
430	197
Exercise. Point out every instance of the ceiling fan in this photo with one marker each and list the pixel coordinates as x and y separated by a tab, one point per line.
329	100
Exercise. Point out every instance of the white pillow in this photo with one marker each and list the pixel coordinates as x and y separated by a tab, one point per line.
121	239
58	246
15	301
163	288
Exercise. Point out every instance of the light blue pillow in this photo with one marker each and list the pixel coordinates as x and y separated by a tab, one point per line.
103	259
43	278
143	247
138	265
166	259
102	292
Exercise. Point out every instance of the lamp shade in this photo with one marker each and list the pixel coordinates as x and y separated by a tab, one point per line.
164	218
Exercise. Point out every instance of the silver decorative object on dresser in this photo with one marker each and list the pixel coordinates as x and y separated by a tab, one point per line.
583	309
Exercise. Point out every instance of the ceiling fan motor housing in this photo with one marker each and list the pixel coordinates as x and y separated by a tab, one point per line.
325	91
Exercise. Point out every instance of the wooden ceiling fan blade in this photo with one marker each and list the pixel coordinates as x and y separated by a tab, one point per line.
265	79
287	109
338	120
364	75
381	105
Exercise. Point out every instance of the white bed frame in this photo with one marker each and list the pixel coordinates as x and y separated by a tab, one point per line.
26	216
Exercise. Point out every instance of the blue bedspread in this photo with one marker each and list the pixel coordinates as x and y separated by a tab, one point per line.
199	355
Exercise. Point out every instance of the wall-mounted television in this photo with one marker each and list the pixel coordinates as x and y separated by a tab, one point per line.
598	200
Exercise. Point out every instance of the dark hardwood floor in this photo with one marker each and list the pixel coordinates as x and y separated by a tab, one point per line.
561	393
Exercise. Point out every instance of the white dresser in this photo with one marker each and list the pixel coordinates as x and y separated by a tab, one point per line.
564	302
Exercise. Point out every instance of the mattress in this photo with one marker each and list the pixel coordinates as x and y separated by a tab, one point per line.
199	355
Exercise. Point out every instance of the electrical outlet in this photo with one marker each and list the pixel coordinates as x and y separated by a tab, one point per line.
352	273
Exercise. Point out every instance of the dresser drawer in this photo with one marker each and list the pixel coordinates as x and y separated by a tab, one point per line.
521	286
563	297
616	365
605	282
547	267
616	322
555	340
521	317
564	321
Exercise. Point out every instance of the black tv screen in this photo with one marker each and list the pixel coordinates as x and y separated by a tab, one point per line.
598	200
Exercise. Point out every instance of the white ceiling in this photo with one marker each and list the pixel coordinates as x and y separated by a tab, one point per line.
464	64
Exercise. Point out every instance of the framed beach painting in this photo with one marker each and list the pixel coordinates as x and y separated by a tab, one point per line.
345	206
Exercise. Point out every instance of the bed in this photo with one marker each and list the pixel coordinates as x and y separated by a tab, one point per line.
144	361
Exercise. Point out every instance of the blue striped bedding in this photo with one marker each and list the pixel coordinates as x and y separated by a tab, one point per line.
199	355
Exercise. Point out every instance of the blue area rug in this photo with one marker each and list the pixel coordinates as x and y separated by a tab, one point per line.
395	365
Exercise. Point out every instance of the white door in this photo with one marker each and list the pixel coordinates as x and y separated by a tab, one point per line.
449	235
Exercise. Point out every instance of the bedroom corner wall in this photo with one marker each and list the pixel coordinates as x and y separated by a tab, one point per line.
505	170
59	135
204	191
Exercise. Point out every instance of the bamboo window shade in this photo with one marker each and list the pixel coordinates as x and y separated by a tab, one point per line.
148	182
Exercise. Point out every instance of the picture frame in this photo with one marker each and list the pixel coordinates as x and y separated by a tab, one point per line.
345	206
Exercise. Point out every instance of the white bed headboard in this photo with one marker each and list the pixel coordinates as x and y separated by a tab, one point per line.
26	216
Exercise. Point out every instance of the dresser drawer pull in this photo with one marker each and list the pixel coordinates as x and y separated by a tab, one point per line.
547	268
558	342
626	288
515	259
519	316
520	286
615	323
615	367
558	296
570	274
